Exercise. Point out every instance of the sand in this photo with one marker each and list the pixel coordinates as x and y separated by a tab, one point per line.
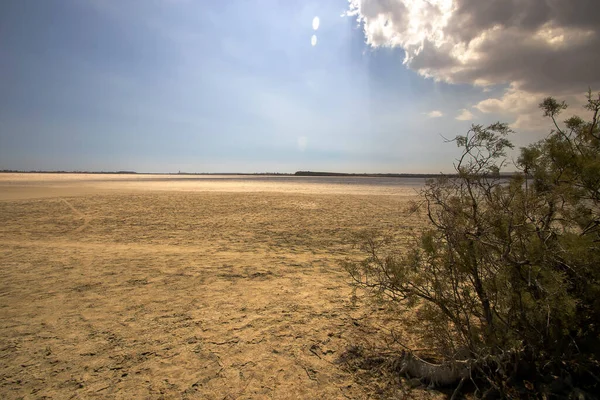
143	287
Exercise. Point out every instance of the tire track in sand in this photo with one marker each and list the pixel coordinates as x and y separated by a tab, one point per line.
86	219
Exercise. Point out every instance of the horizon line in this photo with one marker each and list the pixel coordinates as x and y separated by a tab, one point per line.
297	173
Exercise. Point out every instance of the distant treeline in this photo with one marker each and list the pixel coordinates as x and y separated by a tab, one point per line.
315	173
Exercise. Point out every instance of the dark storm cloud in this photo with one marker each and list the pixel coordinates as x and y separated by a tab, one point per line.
539	45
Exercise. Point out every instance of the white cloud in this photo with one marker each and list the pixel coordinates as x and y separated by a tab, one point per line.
524	106
313	40
435	114
535	47
465	115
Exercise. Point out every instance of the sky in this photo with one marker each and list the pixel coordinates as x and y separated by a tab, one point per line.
262	86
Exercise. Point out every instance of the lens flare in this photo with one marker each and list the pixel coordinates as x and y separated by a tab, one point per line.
315	23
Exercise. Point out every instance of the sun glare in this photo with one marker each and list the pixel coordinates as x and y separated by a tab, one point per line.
315	23
313	40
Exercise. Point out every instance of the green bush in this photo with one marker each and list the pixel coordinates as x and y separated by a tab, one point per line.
508	268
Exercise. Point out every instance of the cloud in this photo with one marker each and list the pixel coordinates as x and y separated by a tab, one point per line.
465	115
524	106
313	40
435	114
535	47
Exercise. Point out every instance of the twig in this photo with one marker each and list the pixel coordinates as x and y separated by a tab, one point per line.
312	378
312	350
457	390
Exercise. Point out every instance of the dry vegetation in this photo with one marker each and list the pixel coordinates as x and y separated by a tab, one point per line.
116	288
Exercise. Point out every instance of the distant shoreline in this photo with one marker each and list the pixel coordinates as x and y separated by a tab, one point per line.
7	171
298	173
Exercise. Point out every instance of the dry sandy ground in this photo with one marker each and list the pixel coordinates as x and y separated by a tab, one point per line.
116	287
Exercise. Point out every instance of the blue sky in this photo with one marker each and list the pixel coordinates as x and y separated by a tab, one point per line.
224	86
